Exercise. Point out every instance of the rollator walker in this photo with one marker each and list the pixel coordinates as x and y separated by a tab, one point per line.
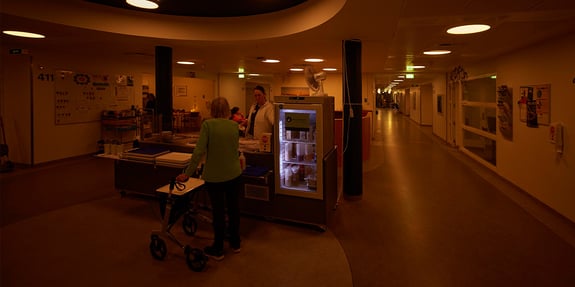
178	202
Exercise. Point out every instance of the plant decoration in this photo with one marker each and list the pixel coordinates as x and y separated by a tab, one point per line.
458	74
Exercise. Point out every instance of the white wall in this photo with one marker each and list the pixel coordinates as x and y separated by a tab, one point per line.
414	104
530	161
51	141
426	104
439	119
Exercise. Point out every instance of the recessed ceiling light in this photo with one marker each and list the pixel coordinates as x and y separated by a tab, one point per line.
144	4
24	34
296	69
270	61
313	60
329	69
186	62
468	29
437	52
409	76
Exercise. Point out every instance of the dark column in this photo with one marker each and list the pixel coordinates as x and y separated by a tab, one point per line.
352	136
164	86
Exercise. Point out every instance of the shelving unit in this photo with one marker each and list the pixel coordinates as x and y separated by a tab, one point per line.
119	127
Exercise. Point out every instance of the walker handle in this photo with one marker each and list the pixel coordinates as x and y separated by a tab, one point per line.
172	184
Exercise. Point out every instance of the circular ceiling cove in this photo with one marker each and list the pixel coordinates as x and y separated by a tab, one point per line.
210	8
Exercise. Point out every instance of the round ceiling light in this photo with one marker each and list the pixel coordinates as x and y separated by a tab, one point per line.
468	29
144	4
24	34
437	52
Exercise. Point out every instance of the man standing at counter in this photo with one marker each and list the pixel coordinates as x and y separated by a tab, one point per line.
261	115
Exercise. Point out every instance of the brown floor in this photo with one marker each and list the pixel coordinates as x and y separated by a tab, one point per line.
428	216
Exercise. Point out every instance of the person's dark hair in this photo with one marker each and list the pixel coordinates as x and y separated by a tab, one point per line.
235	110
261	89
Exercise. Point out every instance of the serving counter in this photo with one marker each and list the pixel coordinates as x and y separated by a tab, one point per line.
257	194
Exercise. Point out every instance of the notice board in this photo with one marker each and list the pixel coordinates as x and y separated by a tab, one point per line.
81	97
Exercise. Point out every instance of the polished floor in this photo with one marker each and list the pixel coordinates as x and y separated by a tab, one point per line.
428	216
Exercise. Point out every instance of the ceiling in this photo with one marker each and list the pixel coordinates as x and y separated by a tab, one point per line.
393	34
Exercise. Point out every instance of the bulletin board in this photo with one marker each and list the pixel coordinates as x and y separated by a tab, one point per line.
540	97
81	97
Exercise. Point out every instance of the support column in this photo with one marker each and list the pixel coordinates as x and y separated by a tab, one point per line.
164	86
352	129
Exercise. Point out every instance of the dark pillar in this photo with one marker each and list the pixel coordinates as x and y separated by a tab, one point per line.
164	86
352	109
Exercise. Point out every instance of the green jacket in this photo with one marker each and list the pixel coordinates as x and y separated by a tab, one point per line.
219	142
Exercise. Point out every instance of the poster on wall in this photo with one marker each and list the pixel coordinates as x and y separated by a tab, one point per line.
505	112
124	88
181	91
80	97
534	105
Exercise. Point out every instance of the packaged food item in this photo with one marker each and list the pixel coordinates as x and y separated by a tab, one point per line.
266	142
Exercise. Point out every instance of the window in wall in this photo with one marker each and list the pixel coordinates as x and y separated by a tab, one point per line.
479	145
478	108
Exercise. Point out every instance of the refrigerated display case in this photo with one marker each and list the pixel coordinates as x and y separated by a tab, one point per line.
304	133
305	162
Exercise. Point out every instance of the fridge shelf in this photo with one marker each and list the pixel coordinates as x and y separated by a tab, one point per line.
300	187
310	163
298	141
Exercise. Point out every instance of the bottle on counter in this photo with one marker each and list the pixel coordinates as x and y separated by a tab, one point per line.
242	161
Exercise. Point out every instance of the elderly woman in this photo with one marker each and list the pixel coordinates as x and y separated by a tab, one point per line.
219	142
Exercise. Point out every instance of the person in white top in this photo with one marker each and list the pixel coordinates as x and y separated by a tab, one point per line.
260	119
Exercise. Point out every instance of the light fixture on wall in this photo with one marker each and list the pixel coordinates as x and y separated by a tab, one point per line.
144	4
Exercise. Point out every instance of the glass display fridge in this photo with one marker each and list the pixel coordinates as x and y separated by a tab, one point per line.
303	136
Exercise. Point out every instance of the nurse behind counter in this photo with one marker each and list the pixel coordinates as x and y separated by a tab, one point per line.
261	115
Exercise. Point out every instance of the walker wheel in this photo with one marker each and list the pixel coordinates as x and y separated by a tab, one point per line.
195	258
189	224
158	247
